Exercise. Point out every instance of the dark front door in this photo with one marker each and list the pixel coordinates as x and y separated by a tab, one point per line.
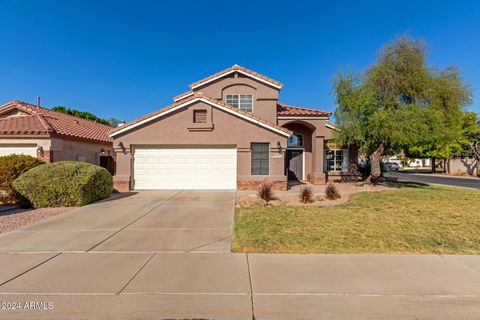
294	159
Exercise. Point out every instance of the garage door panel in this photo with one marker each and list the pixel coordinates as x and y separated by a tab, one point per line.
185	168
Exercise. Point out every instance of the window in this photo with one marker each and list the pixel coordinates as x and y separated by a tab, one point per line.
199	116
334	159
243	102
295	140
260	161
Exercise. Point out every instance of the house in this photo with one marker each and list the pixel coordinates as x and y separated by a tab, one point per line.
411	163
52	136
229	131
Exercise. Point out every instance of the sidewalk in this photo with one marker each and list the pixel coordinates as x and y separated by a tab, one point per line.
241	286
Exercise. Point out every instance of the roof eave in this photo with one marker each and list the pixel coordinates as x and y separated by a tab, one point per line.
204	82
127	127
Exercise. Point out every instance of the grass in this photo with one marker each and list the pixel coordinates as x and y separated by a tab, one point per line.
410	219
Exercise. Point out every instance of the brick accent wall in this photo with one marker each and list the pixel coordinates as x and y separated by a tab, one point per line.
46	156
121	186
254	185
317	178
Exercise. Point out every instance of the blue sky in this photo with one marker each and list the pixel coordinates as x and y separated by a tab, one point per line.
127	58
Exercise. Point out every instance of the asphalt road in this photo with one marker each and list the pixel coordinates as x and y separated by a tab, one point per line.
434	179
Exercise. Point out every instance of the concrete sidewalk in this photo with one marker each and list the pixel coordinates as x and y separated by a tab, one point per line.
240	286
166	255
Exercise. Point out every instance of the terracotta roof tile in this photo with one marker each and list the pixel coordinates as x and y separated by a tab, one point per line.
23	125
196	96
285	110
51	122
237	67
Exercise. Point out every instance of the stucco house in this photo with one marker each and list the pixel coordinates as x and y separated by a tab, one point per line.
229	131
52	136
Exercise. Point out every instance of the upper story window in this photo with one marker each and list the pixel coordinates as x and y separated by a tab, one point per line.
295	140
243	102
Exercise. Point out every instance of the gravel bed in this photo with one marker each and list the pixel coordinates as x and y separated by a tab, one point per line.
14	219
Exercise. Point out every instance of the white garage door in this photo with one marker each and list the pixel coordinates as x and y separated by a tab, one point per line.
185	168
29	151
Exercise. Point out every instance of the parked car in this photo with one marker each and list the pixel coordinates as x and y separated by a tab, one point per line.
392	166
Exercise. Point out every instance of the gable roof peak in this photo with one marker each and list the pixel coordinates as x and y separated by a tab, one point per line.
244	71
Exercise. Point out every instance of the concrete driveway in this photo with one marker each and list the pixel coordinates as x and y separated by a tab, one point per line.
150	221
165	255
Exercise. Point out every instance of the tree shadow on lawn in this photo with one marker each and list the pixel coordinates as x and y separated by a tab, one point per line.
394	183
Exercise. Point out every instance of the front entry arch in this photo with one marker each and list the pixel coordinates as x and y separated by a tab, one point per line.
295	164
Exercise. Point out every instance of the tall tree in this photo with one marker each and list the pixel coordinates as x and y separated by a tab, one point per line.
397	103
80	114
471	128
448	97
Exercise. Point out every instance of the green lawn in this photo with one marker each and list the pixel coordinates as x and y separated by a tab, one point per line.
410	219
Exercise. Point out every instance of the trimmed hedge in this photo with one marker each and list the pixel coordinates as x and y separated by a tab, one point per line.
12	167
63	184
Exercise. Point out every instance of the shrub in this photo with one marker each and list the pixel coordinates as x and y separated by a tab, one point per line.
265	192
11	167
63	184
331	192
306	194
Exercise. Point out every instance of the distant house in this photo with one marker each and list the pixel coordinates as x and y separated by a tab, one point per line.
52	136
229	131
412	163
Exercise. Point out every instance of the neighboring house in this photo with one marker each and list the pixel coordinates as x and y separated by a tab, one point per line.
412	163
52	136
229	131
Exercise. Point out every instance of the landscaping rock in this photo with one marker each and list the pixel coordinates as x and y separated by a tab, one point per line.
275	203
244	203
260	202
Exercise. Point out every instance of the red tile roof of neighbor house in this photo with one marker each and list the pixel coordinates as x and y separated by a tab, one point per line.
285	110
240	69
196	96
45	121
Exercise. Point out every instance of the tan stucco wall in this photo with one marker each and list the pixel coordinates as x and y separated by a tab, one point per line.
228	129
265	97
45	142
63	149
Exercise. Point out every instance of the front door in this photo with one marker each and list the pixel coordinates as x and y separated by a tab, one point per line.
294	164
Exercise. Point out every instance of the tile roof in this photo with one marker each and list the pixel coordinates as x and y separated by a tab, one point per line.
23	125
196	96
285	110
237	68
41	120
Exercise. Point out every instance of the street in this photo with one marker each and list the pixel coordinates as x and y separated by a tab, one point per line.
434	179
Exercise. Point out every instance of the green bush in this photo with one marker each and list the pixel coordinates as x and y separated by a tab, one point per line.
11	167
63	184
